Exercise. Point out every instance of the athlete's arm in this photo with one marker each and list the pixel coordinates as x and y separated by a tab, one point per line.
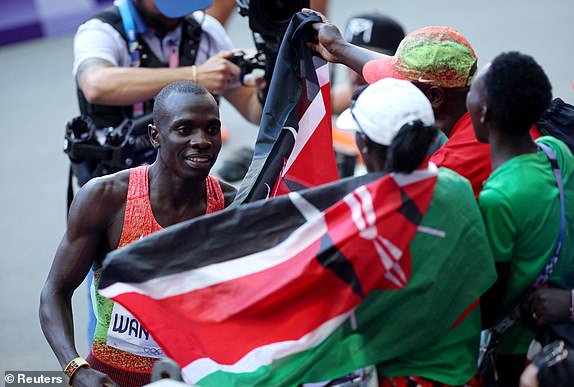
91	214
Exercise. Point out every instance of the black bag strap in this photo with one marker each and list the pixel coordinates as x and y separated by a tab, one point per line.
543	277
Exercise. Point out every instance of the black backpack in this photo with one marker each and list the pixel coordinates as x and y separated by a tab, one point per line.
558	121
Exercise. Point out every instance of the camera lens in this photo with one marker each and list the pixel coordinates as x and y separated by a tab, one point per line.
80	127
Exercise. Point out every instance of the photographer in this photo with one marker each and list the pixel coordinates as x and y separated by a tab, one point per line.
125	54
168	33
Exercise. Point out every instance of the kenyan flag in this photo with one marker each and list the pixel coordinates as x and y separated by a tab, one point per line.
308	286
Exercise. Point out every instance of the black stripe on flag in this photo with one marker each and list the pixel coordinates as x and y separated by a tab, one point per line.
219	237
295	61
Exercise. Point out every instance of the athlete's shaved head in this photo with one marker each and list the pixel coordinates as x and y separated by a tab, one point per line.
162	106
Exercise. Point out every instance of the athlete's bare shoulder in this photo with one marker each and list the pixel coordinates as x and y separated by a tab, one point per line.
102	197
109	187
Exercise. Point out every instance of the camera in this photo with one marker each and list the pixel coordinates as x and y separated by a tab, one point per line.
268	21
270	18
247	63
96	152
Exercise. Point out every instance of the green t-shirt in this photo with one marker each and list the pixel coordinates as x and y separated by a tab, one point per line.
521	210
444	265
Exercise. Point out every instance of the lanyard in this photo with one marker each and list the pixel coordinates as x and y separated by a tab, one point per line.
173	58
133	45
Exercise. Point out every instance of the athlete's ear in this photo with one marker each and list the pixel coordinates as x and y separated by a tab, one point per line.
153	133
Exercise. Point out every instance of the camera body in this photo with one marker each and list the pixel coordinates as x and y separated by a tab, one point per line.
248	63
96	152
268	20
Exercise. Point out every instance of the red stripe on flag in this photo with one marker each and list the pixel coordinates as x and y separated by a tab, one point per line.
315	165
226	321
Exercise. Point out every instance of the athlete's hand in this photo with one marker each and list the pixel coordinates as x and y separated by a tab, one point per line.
218	74
89	377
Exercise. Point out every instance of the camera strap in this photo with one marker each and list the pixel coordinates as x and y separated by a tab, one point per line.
130	29
543	277
133	45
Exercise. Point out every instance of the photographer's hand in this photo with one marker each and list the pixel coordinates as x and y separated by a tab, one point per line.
218	74
550	305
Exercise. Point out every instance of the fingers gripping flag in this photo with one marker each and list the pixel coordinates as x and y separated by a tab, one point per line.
257	306
294	145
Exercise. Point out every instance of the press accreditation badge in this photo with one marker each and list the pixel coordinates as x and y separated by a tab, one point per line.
127	334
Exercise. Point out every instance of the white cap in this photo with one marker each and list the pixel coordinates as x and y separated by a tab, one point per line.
384	107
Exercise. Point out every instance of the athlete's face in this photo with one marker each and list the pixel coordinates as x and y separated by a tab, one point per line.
189	135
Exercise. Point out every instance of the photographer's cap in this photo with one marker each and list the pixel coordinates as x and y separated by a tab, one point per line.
384	107
435	55
180	8
375	31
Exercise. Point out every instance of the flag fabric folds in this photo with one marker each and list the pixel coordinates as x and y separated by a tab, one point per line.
292	289
294	144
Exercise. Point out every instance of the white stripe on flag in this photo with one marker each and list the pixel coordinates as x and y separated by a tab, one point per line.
367	205
403	179
323	74
264	355
190	280
308	210
356	214
308	123
391	277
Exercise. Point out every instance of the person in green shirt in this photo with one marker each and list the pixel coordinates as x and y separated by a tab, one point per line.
394	127
520	201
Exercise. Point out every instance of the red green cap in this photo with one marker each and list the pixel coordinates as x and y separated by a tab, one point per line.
436	56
